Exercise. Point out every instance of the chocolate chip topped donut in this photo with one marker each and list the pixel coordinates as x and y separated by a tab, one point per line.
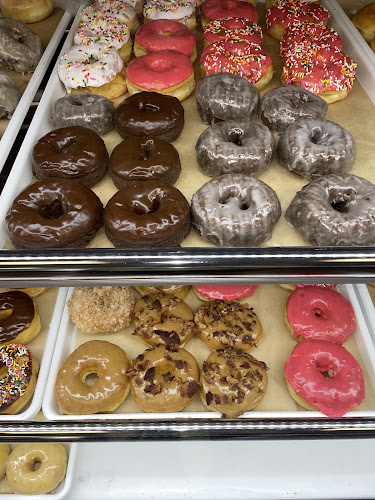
235	147
312	148
224	96
335	210
282	106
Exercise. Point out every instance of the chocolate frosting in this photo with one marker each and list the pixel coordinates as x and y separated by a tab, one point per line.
54	213
22	314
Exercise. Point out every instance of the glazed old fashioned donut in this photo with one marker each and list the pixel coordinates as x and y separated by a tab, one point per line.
224	292
74	153
235	147
19	318
144	159
20	48
314	312
222	324
180	291
92	111
54	213
324	376
149	114
22	477
164	379
123	12
225	96
335	210
220	9
239	57
165	34
282	106
102	76
235	210
182	11
312	147
228	28
165	72
163	319
101	309
109	362
9	96
4	453
147	214
18	385
233	382
27	11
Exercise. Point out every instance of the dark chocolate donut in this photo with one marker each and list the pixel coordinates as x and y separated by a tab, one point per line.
150	114
92	111
144	159
147	214
54	213
74	153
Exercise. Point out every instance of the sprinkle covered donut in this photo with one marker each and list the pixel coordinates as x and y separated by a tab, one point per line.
220	9
182	11
232	27
114	9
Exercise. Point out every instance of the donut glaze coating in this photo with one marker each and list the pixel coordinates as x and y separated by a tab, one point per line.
150	114
312	147
224	292
218	9
9	96
144	159
326	376
237	147
224	96
319	313
92	111
282	106
74	153
335	210
23	323
147	214
235	210
54	213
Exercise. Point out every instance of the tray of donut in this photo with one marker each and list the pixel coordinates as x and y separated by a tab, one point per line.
228	351
235	201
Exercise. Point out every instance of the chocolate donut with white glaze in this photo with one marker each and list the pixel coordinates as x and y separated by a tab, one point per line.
312	148
335	210
9	96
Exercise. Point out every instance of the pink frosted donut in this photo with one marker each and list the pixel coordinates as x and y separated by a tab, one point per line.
319	313
219	9
165	34
232	27
291	288
324	376
165	71
224	292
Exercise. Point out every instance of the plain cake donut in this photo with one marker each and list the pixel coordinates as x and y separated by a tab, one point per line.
335	210
312	147
235	210
235	147
27	11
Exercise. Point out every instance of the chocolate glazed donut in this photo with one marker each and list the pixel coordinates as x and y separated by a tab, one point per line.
74	153
150	114
22	314
147	214
54	213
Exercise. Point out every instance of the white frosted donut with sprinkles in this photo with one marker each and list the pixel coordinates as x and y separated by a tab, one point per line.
116	9
77	72
108	31
182	11
136	4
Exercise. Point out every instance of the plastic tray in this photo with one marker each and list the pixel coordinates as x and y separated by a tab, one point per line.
67	341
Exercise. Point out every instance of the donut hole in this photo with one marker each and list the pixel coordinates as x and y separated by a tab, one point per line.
146	150
167	375
235	136
317	136
319	313
148	107
228	198
341	201
91	379
35	464
139	208
52	211
5	313
327	366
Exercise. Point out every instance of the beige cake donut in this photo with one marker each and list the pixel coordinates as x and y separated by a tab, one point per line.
27	11
364	21
4	453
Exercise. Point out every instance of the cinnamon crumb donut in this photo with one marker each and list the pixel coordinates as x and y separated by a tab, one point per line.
101	309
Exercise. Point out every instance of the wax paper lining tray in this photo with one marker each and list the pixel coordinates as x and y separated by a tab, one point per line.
269	304
11	128
354	113
60	492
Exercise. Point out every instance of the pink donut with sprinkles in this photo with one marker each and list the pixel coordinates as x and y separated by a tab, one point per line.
319	313
224	292
324	376
232	28
219	9
240	58
165	34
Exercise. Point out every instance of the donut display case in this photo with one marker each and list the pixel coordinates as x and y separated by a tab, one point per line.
127	453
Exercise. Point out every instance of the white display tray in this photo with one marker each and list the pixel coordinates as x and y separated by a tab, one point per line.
368	308
64	487
23	106
66	344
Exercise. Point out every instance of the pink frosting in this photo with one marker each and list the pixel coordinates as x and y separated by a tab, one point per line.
307	368
287	12
225	292
166	34
217	9
233	28
159	70
321	314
